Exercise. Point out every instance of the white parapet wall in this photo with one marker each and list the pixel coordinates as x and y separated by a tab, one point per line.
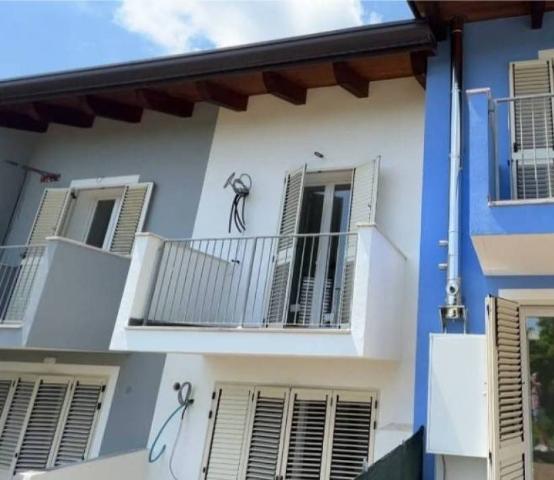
132	466
376	322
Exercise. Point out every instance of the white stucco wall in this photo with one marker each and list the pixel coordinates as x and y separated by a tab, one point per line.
269	139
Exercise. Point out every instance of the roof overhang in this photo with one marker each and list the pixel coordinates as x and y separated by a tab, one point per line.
350	58
441	13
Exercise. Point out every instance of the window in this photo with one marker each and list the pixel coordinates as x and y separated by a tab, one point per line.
100	222
532	137
106	218
313	269
539	371
46	421
265	432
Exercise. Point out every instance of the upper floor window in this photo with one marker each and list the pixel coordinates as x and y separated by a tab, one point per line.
106	218
532	129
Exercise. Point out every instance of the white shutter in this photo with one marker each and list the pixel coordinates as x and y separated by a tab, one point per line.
226	444
364	193
363	202
6	385
509	445
36	445
50	215
305	442
78	422
132	214
284	256
350	435
266	428
532	129
15	419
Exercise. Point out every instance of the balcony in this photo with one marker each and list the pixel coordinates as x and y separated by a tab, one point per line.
61	295
511	183
310	295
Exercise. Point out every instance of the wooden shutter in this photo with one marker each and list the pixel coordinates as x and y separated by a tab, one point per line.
305	442
284	256
266	428
228	433
131	217
509	445
532	129
79	421
36	445
363	202
350	435
15	419
50	215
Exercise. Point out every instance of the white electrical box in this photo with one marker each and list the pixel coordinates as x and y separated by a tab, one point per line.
457	416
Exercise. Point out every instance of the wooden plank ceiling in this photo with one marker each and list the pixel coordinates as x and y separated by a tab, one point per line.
230	91
440	13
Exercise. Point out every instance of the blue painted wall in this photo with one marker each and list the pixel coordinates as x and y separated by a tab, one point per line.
489	47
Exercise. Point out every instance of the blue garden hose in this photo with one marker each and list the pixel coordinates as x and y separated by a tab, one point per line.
184	402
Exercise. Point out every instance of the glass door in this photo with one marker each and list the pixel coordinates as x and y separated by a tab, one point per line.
540	390
319	256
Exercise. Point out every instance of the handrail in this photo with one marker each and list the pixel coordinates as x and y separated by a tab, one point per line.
302	280
19	265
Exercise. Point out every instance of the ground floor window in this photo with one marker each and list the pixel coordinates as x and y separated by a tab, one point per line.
540	374
46	420
268	432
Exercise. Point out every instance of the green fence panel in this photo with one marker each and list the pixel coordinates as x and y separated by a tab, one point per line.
405	462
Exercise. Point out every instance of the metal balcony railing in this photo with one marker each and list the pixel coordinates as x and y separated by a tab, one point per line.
282	281
18	270
523	147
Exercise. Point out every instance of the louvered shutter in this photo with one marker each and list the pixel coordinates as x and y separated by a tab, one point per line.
286	246
305	442
509	445
228	433
51	215
6	385
267	425
350	435
40	432
78	422
362	210
15	419
132	214
532	129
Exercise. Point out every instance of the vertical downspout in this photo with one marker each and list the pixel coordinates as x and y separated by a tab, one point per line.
454	310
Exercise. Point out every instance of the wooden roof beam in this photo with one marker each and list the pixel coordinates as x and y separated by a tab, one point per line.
114	110
22	120
222	96
537	14
164	103
283	88
65	115
433	15
418	61
350	80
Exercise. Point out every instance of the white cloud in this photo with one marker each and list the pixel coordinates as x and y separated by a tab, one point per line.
177	25
375	17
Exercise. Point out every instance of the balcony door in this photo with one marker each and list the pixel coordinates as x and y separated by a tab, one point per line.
94	216
539	328
319	256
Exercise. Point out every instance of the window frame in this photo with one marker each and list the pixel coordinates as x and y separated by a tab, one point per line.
532	302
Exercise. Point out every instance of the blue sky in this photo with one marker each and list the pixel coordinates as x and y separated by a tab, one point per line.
45	36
